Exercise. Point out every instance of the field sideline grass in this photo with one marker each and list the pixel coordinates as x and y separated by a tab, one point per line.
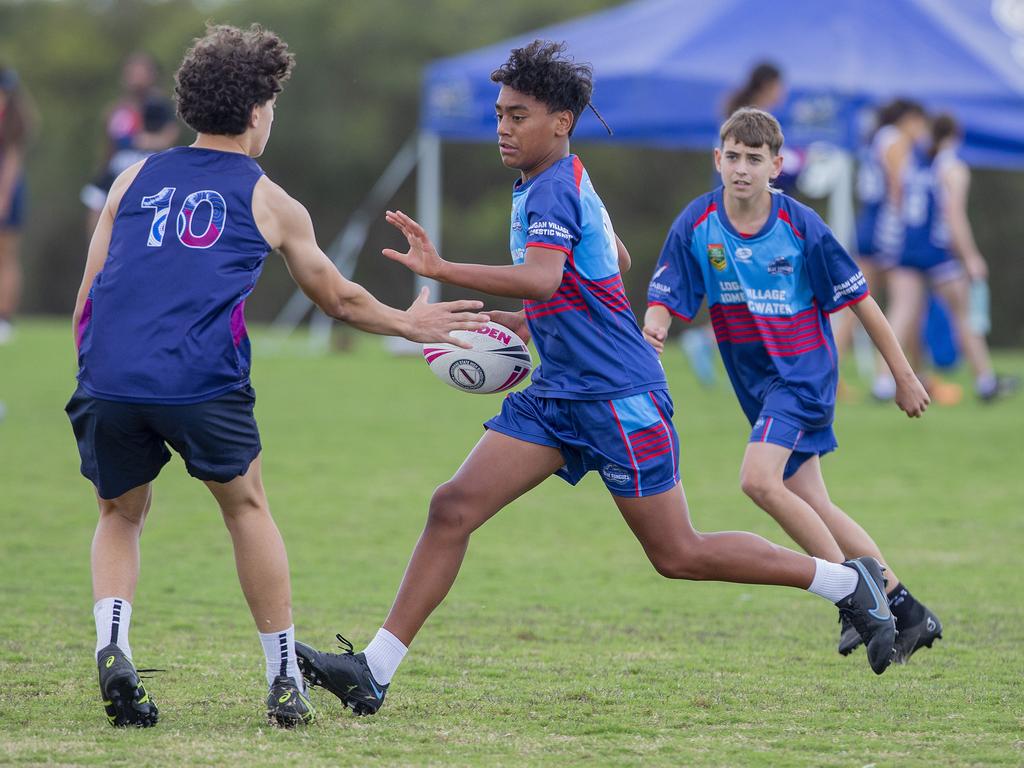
559	645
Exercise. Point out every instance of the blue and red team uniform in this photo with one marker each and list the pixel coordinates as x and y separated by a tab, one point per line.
769	295
599	395
163	352
927	246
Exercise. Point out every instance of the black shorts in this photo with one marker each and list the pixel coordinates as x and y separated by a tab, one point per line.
124	445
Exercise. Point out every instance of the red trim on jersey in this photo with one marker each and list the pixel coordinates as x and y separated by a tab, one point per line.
780	336
671	311
707	212
784	215
551	247
577	171
851	302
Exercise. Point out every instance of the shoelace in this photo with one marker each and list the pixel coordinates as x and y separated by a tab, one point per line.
345	644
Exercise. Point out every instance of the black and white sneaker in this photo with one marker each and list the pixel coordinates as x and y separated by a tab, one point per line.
849	637
867	609
919	635
124	697
346	675
287	706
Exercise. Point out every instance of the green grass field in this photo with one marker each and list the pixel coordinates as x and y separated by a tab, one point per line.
559	644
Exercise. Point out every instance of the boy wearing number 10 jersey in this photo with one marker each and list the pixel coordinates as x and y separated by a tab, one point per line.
164	357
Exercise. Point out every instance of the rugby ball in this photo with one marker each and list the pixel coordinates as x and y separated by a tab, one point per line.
498	360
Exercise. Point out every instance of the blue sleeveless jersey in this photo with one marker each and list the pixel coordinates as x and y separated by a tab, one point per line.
164	321
880	229
769	296
928	240
589	343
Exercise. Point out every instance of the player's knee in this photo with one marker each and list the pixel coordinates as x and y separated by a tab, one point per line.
758	485
686	561
132	510
449	507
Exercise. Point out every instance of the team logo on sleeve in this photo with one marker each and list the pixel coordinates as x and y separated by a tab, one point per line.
716	255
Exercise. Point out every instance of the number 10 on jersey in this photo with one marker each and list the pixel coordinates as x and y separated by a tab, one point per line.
161	205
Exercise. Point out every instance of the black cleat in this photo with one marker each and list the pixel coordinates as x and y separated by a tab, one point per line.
849	637
867	608
124	697
346	675
919	635
287	706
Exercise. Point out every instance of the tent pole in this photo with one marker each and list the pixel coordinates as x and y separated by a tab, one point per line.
428	199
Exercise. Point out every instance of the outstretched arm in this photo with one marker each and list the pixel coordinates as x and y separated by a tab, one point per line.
911	396
537	278
287	225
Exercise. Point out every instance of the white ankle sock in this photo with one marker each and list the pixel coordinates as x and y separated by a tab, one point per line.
279	648
832	580
383	655
113	616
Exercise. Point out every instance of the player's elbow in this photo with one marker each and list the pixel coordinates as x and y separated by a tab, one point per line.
544	287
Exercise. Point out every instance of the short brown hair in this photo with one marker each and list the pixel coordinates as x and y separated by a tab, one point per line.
753	127
227	73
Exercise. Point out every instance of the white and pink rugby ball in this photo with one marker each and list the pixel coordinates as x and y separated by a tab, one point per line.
498	360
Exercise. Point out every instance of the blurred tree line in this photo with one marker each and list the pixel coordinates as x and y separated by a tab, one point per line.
352	102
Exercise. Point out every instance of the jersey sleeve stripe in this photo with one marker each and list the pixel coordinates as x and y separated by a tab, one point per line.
851	302
551	247
671	311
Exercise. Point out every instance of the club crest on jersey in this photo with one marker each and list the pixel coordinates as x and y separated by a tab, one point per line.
743	254
780	266
716	255
466	374
615	475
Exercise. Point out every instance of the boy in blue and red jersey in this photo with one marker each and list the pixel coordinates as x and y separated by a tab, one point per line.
164	357
772	273
598	401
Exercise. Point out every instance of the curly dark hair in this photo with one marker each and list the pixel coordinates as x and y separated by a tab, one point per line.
541	71
227	73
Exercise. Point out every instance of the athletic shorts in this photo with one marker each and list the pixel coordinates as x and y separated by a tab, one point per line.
630	442
937	264
803	444
14	217
124	445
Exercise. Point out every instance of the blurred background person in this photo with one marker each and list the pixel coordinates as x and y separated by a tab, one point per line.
141	122
884	162
940	253
17	123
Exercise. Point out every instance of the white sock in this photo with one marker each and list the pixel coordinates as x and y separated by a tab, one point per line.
113	616
279	648
832	580
383	655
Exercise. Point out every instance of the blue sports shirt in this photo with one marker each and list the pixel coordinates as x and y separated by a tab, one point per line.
589	343
164	321
769	295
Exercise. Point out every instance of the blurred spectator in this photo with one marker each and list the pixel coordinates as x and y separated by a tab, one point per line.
940	252
764	89
140	123
17	124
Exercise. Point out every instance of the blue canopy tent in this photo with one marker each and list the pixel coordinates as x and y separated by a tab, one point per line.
662	68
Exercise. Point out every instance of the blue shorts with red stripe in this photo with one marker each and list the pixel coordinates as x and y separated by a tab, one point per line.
630	442
803	444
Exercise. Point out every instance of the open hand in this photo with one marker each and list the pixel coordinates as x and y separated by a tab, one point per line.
422	257
435	322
